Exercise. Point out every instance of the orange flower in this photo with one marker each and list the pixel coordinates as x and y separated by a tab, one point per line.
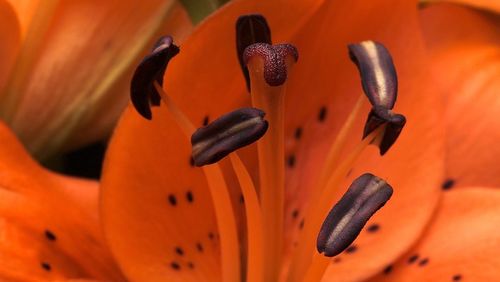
63	62
159	212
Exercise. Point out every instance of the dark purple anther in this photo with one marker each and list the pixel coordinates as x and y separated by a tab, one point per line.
346	219
378	74
394	124
250	29
227	134
152	69
380	84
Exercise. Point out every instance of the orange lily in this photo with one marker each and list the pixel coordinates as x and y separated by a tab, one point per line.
313	76
95	42
156	209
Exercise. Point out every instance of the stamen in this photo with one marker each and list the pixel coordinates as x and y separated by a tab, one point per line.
255	269
143	92
380	84
227	134
268	66
250	29
219	191
322	202
331	161
344	222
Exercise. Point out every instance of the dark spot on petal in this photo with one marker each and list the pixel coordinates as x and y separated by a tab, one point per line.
423	262
351	249
50	235
205	121
199	247
189	196
337	260
175	265
107	44
388	269
298	133
301	224
448	184
46	266
191	265
295	213
291	161
191	161
179	251
211	236
413	259
457	277
172	200
373	228
322	114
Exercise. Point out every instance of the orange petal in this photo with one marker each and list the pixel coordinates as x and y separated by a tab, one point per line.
464	44
76	280
462	242
100	124
10	36
142	226
25	10
49	223
488	5
68	66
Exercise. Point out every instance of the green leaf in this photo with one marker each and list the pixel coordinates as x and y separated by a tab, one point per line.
199	9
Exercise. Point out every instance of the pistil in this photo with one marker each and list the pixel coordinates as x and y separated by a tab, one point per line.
268	66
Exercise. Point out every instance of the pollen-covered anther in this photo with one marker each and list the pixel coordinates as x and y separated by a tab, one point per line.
276	60
250	29
143	93
378	74
346	219
227	134
380	84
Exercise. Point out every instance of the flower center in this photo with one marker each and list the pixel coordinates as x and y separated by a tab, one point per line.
266	68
